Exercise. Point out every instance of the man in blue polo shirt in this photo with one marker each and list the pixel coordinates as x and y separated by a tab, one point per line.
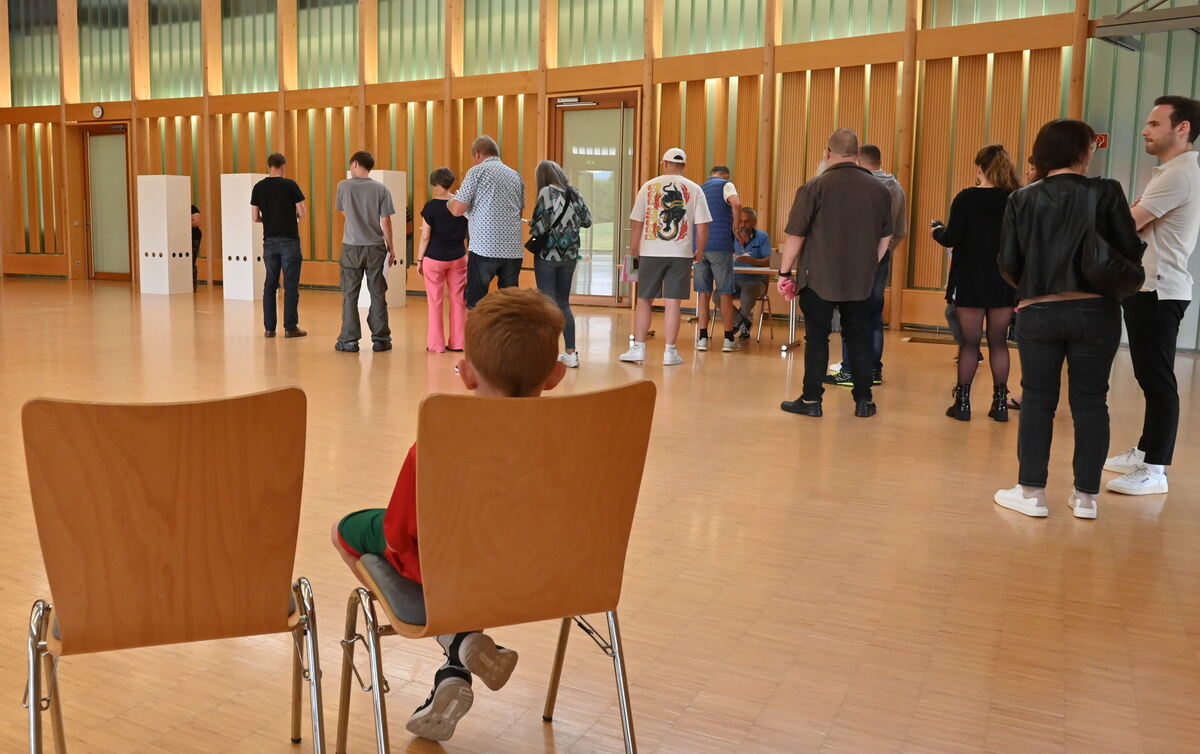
714	272
751	248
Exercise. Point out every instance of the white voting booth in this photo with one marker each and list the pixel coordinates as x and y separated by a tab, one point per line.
242	270
397	278
164	234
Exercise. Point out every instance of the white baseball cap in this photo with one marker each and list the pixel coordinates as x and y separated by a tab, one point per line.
675	154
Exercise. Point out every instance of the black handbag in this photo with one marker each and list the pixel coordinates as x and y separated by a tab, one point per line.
537	244
1109	272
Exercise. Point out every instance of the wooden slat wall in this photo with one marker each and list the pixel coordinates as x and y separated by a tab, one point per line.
881	124
669	120
793	148
821	115
748	135
970	109
852	91
31	173
695	130
1044	86
1004	126
932	170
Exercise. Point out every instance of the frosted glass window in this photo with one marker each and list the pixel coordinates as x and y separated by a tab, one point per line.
327	44
248	54
175	58
599	31
33	40
693	26
103	50
412	40
500	36
939	13
816	20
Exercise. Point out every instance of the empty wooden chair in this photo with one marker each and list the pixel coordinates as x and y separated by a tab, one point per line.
524	507
167	523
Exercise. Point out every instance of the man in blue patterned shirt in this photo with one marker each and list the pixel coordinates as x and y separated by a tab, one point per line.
492	196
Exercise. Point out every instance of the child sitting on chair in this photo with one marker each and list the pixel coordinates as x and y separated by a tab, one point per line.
511	352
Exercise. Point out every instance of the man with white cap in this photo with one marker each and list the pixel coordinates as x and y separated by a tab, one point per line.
668	232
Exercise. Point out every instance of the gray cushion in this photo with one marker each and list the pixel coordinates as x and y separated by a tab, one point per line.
403	597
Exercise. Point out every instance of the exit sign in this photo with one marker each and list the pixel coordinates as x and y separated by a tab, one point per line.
1101	141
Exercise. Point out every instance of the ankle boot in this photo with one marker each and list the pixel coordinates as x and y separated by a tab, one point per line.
961	409
999	410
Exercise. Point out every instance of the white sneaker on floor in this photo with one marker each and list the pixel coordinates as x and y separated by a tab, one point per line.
671	357
636	353
731	345
570	359
702	344
1140	481
1079	509
1126	462
1015	500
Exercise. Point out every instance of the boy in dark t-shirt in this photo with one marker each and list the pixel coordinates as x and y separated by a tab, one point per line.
278	203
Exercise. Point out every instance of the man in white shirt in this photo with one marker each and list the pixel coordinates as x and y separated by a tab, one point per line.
1168	219
668	232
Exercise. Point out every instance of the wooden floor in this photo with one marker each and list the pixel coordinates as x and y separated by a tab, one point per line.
793	585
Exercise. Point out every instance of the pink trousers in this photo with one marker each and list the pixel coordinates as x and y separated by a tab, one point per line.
438	277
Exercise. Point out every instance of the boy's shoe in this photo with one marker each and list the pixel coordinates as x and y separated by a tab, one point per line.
1140	481
841	378
730	345
570	359
489	663
450	699
864	409
1126	462
636	353
702	344
1015	500
347	347
671	357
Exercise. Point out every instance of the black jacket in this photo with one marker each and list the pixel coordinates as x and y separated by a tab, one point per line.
1045	229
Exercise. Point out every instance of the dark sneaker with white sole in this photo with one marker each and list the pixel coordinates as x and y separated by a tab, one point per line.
841	378
450	699
478	653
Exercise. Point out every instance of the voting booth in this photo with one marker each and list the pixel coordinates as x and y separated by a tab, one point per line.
164	234
397	279
242	270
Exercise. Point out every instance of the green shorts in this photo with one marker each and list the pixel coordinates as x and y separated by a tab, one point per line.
362	532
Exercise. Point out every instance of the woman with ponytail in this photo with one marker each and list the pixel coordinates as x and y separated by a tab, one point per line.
982	298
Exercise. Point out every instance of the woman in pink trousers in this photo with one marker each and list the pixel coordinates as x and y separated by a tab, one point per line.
442	261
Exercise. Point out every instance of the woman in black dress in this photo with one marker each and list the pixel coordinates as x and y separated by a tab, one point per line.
980	295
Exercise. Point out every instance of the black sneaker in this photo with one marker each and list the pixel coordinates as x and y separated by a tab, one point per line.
800	406
450	699
380	345
841	378
744	332
346	347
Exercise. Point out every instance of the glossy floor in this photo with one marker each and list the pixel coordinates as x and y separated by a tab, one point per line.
793	585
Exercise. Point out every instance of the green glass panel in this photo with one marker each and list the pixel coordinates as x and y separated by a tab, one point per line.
940	13
33	40
817	20
694	26
412	40
599	31
500	36
103	50
175	67
248	51
327	43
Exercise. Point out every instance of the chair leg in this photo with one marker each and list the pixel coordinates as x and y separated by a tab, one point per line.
39	620
618	655
297	672
556	672
371	629
50	673
304	594
348	641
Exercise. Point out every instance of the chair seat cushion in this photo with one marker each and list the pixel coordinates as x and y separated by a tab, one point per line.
404	597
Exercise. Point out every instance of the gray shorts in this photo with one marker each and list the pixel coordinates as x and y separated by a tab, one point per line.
717	266
664	277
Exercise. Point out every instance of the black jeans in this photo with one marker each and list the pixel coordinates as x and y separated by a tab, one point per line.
875	318
481	270
1086	333
281	254
818	323
1153	327
554	279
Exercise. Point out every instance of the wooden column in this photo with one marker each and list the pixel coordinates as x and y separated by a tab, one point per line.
772	37
450	124
139	49
905	132
5	131
285	58
68	50
72	206
547	59
211	63
1079	44
652	50
368	65
5	64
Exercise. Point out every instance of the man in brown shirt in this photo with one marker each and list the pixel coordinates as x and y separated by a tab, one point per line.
839	229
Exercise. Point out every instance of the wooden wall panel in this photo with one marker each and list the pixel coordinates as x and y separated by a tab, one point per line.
793	148
48	215
881	120
510	132
491	117
720	106
301	172
851	102
13	239
669	121
970	108
242	126
259	163
745	165
932	170
379	130
529	154
320	179
227	143
338	164
420	163
821	116
32	222
695	130
1044	87
399	121
1004	125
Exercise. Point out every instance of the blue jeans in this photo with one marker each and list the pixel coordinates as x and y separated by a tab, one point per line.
281	253
874	317
1085	333
554	279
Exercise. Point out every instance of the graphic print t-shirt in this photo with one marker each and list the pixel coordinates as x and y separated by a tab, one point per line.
670	206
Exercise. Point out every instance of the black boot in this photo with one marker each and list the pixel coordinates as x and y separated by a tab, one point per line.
961	409
999	410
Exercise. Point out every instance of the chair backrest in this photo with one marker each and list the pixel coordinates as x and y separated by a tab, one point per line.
524	505
167	523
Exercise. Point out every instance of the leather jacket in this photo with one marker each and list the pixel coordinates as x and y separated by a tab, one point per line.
1045	230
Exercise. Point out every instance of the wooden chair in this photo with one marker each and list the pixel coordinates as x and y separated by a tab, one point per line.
524	507
167	523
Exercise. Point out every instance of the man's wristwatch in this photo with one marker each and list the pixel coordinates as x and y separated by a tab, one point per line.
783	274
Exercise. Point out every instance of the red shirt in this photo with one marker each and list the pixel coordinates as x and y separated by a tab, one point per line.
400	521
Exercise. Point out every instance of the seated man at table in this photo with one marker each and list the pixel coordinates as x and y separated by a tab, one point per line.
751	248
511	352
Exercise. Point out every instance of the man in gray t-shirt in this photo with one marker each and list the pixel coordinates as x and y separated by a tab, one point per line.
366	252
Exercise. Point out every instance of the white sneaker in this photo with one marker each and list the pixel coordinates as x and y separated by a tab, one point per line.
1079	509
1126	462
731	345
636	353
702	344
570	359
1140	481
1015	500
671	357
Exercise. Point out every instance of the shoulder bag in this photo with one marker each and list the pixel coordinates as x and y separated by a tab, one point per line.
537	244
